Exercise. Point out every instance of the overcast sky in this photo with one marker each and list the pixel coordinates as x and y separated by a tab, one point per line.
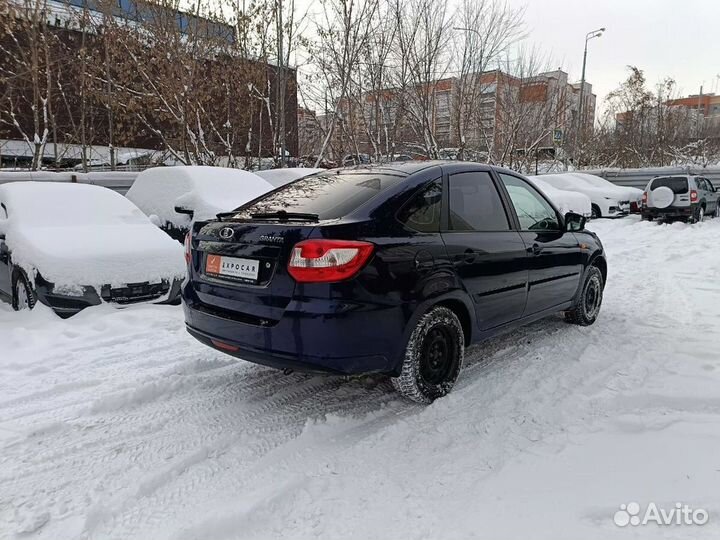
664	38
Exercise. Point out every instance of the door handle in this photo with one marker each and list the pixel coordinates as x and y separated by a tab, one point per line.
536	249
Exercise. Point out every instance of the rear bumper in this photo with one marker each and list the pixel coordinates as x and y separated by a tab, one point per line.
313	335
676	211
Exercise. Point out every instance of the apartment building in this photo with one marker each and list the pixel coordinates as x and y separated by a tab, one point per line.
491	112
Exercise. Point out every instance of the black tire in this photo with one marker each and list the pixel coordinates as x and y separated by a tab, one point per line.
23	294
595	212
698	215
717	210
433	357
586	311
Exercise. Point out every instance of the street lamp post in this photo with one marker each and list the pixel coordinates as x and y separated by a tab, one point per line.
578	129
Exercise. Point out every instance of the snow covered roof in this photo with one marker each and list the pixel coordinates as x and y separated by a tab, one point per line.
205	190
61	203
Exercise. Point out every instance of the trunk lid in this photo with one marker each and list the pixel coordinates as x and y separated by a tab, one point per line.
242	266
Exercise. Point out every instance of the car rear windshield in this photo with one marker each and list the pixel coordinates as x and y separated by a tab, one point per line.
328	195
678	184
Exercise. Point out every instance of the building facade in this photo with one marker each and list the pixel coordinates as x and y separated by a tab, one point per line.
100	74
481	115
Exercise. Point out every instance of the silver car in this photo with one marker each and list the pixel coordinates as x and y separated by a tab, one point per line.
686	197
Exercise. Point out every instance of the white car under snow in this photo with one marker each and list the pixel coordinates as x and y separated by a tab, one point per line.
566	201
633	194
70	246
608	200
199	192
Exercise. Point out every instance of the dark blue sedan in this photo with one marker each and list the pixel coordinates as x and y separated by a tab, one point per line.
389	269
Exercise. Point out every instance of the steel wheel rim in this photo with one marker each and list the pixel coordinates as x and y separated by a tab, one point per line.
591	300
437	356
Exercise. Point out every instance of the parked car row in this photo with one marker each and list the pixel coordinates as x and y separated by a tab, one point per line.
390	269
70	246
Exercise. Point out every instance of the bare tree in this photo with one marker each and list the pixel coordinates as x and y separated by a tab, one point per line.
423	28
530	104
485	31
26	45
343	28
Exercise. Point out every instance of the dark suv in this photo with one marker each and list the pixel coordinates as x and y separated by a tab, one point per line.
388	269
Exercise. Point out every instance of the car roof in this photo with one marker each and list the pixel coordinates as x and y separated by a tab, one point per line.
411	167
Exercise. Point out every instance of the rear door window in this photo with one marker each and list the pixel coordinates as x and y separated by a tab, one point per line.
329	195
475	203
678	184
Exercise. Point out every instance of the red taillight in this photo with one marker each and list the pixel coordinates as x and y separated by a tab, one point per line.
188	255
693	195
322	261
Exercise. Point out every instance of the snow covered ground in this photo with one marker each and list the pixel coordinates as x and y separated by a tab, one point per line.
116	424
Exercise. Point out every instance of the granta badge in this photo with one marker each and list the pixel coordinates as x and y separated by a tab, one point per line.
272	239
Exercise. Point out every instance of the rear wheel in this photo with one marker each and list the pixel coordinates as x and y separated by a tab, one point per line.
433	357
698	215
23	294
586	311
717	210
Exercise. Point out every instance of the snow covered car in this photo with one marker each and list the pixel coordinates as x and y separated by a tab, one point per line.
173	196
388	269
634	195
71	246
566	201
606	201
280	177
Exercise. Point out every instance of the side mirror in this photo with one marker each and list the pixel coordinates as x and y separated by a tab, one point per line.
574	222
184	210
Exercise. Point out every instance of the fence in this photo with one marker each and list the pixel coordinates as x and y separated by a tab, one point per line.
116	180
639	178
